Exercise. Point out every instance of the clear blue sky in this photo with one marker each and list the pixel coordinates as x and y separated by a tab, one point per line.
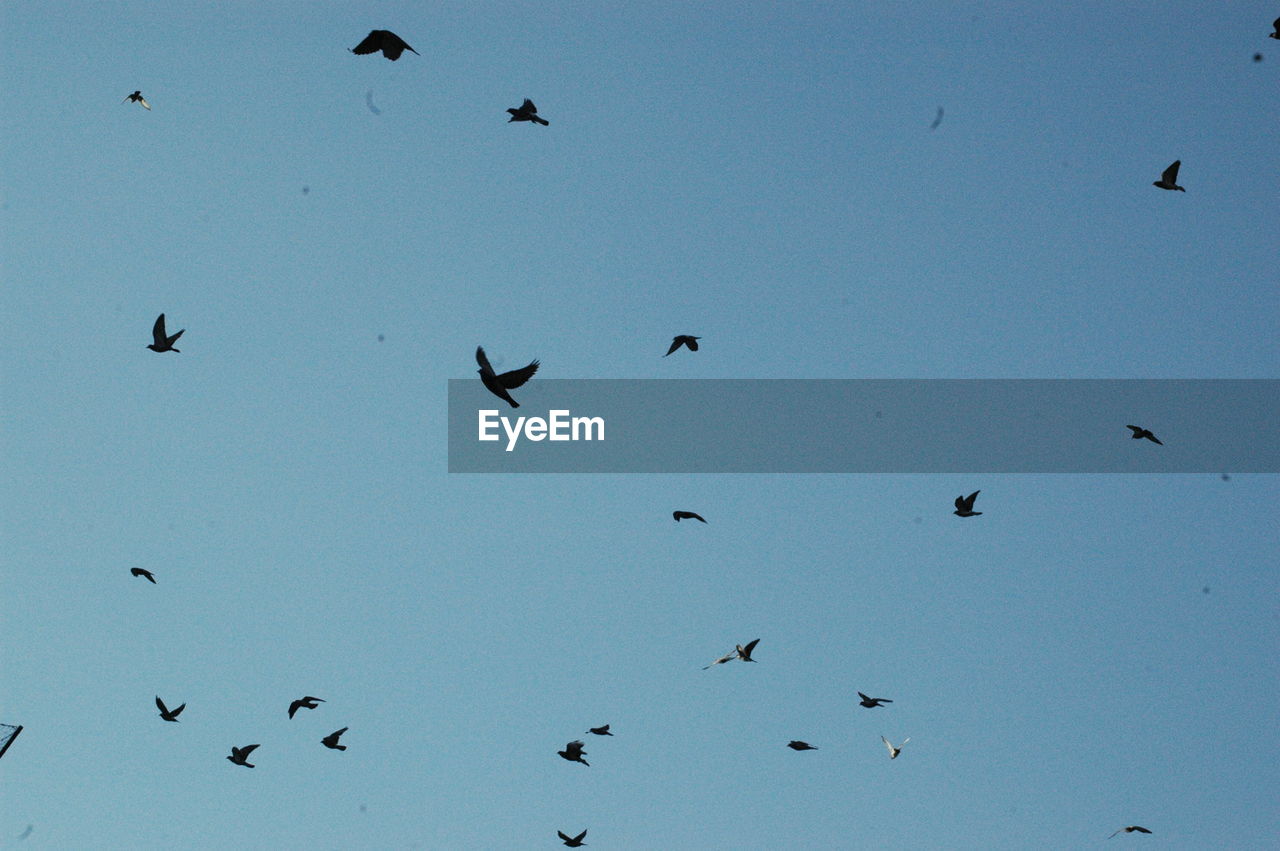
762	176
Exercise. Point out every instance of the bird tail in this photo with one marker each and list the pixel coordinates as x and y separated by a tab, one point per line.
544	122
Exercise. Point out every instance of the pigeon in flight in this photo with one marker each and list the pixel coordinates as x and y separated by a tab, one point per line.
161	341
601	731
137	97
388	42
687	515
1133	828
801	746
499	384
574	752
738	652
1139	433
964	505
1169	178
893	752
1276	34
684	340
307	702
331	740
240	756
872	702
142	571
527	112
572	841
169	714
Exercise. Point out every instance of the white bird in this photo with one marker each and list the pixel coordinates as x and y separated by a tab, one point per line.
893	752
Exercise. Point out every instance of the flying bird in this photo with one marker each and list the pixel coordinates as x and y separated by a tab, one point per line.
240	756
1276	34
1169	178
1133	828
169	714
684	340
142	571
160	341
687	515
388	42
572	841
331	740
137	97
368	101
601	731
937	120
574	752
872	702
964	505
801	746
499	384
307	702
526	112
893	752
738	652
1139	433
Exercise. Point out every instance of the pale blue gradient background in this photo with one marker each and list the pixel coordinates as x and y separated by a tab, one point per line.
762	176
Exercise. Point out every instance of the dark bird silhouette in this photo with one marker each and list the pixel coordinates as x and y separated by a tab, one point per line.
307	702
1169	178
1276	25
160	341
684	340
137	97
964	505
937	120
687	515
572	841
1257	57
738	652
240	756
1140	432
872	702
801	746
388	42
1133	828
893	752
169	714
601	731
331	740
527	112
499	384
142	571
574	752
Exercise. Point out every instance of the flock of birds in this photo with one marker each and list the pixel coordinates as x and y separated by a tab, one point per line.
391	46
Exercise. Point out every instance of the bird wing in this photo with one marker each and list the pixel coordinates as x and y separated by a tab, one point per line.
863	696
528	106
483	360
887	745
750	646
1109	837
143	101
1134	429
157	331
164	710
178	711
904	743
372	43
293	707
1170	175
560	833
246	750
692	343
1140	829
675	344
399	43
1154	439
580	836
733	654
513	379
960	502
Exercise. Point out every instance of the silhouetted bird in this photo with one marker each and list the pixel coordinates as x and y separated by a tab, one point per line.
1169	179
1276	25
142	571
137	97
169	714
684	340
307	702
1139	433
526	112
572	842
240	756
872	702
499	384
686	515
1133	828
388	42
893	752
161	342
738	652
1257	57
801	746
331	740
964	505
937	120
574	752
601	731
